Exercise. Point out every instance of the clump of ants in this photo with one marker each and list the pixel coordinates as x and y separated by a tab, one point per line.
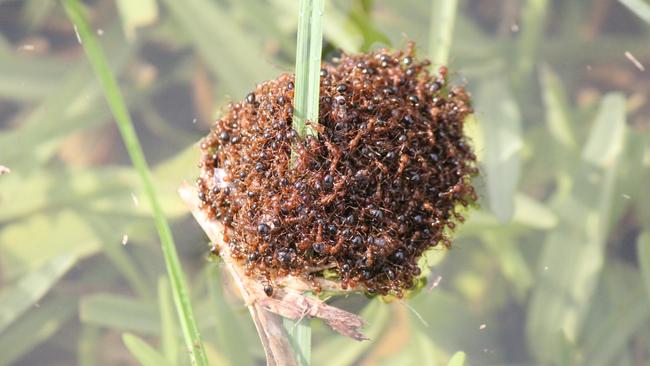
386	178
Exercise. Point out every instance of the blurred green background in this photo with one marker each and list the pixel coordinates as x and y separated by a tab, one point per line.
553	268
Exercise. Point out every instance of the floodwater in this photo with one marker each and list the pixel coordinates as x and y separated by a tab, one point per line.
553	267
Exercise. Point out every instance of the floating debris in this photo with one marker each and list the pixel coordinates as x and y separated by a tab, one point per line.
634	61
76	32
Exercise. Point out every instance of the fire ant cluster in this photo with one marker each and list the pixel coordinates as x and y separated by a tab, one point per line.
384	180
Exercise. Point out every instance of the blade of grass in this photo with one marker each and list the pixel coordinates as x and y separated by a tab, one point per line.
15	300
503	143
532	33
120	313
143	352
87	345
116	102
306	100
168	330
299	332
558	120
573	254
308	59
643	252
458	359
443	16
30	331
639	7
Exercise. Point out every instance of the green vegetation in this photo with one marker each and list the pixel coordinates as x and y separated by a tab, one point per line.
553	268
308	61
120	113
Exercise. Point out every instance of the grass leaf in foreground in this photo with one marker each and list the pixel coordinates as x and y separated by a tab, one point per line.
639	7
118	107
458	359
308	60
443	16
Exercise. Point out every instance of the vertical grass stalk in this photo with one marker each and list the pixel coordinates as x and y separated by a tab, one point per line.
308	61
443	17
533	22
118	107
306	99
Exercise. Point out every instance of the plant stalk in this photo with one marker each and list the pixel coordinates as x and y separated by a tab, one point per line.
308	64
115	100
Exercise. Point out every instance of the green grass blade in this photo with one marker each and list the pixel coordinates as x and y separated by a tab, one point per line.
532	33
643	252
143	352
30	331
230	334
308	60
558	119
503	141
118	107
168	330
87	345
638	7
458	359
572	257
300	338
443	17
120	313
16	299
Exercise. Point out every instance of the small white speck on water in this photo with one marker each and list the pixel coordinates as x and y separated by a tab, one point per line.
320	13
136	202
546	268
194	120
634	61
482	326
125	239
626	196
4	170
435	283
76	32
28	47
100	32
514	28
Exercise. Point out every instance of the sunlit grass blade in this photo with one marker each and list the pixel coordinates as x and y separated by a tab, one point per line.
643	252
15	300
501	120
143	352
558	120
532	32
29	331
308	61
120	313
443	17
639	7
300	338
168	328
458	359
118	107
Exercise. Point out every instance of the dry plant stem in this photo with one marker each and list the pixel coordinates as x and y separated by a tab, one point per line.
287	299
